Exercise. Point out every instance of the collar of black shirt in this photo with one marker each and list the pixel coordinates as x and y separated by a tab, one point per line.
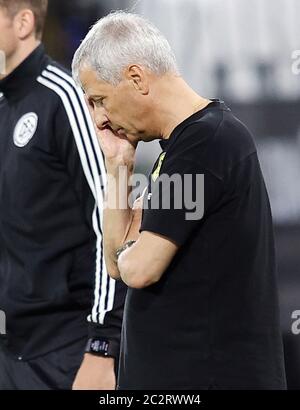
165	143
21	80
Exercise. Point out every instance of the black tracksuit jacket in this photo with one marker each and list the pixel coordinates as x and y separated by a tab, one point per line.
54	287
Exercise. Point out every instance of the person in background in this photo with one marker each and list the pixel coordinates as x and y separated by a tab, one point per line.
52	175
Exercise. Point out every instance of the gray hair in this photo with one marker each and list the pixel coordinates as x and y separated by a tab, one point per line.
120	39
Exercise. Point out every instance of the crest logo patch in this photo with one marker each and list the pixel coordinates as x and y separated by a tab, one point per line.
156	172
25	129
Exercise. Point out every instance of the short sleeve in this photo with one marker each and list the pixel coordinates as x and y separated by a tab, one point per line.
179	199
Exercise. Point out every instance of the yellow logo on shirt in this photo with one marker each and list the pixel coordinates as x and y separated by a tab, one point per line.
156	172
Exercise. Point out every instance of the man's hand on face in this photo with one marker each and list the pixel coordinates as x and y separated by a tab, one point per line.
118	148
95	373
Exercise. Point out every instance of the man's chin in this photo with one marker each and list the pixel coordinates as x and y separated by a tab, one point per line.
149	138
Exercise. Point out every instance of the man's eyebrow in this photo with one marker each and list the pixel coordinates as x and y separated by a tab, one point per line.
91	96
96	96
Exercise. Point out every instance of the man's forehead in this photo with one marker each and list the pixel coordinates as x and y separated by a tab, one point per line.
90	81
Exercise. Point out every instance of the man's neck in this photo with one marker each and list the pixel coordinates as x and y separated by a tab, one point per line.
176	106
19	56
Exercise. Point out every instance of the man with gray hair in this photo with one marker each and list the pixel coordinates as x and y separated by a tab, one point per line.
202	305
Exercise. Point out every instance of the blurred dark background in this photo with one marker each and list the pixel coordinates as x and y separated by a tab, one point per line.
240	51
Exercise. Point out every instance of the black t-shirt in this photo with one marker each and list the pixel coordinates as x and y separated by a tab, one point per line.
213	318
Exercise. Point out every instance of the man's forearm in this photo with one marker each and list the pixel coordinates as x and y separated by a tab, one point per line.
117	216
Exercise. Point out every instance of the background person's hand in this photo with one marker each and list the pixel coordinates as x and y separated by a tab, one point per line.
95	373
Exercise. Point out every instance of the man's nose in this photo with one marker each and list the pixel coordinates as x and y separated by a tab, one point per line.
100	118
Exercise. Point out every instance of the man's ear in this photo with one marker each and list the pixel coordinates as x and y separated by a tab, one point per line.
25	23
138	78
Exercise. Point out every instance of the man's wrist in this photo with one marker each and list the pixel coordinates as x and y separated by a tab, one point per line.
113	165
102	347
100	363
109	361
123	248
